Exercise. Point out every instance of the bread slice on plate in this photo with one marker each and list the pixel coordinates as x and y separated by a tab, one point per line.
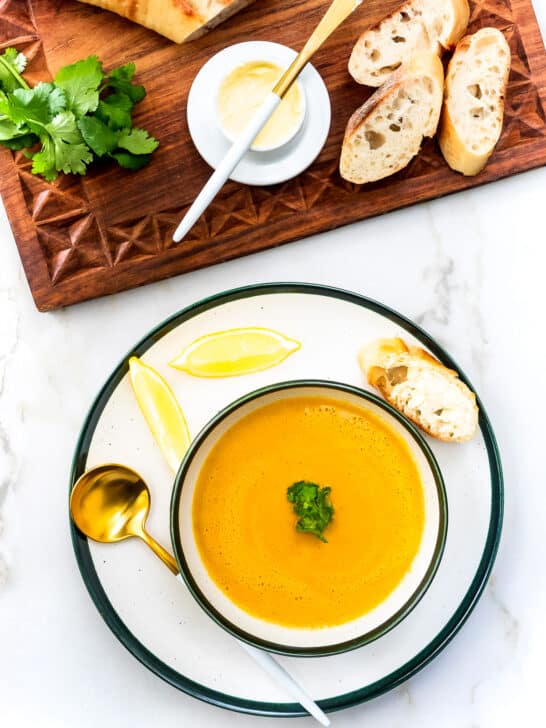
417	26
474	100
384	134
421	388
179	20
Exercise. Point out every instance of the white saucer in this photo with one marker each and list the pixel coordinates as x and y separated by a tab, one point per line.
258	168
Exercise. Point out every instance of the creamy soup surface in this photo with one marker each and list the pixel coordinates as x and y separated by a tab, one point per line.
245	527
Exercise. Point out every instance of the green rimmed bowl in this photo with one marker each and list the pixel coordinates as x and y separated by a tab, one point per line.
297	641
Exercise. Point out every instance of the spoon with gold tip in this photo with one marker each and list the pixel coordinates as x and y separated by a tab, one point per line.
337	12
110	503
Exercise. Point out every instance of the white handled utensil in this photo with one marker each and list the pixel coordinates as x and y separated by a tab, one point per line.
283	678
338	11
110	503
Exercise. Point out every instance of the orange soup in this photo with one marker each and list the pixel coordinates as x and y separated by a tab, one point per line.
244	525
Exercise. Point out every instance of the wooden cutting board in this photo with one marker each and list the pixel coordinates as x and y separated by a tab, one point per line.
80	238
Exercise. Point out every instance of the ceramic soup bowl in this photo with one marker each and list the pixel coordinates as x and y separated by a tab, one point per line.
296	640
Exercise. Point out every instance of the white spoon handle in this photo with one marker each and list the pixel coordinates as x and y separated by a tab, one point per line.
226	166
283	678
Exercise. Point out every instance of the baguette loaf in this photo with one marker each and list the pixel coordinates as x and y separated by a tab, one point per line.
423	389
417	26
384	134
178	20
474	100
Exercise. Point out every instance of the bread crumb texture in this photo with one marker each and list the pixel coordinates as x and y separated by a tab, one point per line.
474	101
423	389
417	26
387	131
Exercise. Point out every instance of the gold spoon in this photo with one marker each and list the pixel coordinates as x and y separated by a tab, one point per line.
338	11
110	503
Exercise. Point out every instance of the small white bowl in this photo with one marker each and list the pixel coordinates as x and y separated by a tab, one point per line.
327	640
273	54
258	167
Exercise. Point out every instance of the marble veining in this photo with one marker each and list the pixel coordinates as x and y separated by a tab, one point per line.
511	624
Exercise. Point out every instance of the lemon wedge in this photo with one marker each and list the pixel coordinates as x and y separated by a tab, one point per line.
235	352
161	411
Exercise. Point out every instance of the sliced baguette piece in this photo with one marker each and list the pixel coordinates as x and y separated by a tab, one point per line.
473	110
384	134
416	26
421	388
178	20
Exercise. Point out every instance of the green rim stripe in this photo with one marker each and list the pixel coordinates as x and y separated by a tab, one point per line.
355	697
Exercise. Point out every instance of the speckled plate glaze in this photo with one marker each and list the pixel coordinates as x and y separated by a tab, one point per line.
155	616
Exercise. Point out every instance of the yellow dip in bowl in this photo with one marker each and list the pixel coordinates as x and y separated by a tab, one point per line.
242	92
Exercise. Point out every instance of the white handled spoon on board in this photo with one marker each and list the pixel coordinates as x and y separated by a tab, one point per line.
110	503
338	11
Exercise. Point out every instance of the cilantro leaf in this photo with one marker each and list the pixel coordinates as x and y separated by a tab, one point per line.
8	129
17	143
63	149
80	82
34	107
99	137
12	64
137	141
15	136
4	104
131	161
56	100
120	79
115	111
17	60
30	106
311	504
68	117
71	154
43	162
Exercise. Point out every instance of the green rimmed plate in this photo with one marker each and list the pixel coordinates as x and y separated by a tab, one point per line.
158	620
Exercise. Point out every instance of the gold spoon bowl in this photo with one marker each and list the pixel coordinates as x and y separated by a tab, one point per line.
110	503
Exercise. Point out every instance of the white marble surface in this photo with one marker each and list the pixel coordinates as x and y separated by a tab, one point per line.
470	269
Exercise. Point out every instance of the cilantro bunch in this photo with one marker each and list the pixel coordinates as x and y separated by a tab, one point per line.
84	114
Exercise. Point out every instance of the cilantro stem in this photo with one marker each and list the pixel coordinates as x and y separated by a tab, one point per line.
20	80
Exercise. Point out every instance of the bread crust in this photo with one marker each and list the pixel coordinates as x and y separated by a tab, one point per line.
460	12
380	361
421	65
456	152
178	20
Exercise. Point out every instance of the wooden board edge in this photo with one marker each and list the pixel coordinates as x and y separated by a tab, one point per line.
23	230
153	270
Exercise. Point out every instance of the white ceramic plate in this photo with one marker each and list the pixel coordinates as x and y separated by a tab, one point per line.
154	615
258	168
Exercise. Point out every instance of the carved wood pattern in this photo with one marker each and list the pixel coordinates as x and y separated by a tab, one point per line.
80	238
